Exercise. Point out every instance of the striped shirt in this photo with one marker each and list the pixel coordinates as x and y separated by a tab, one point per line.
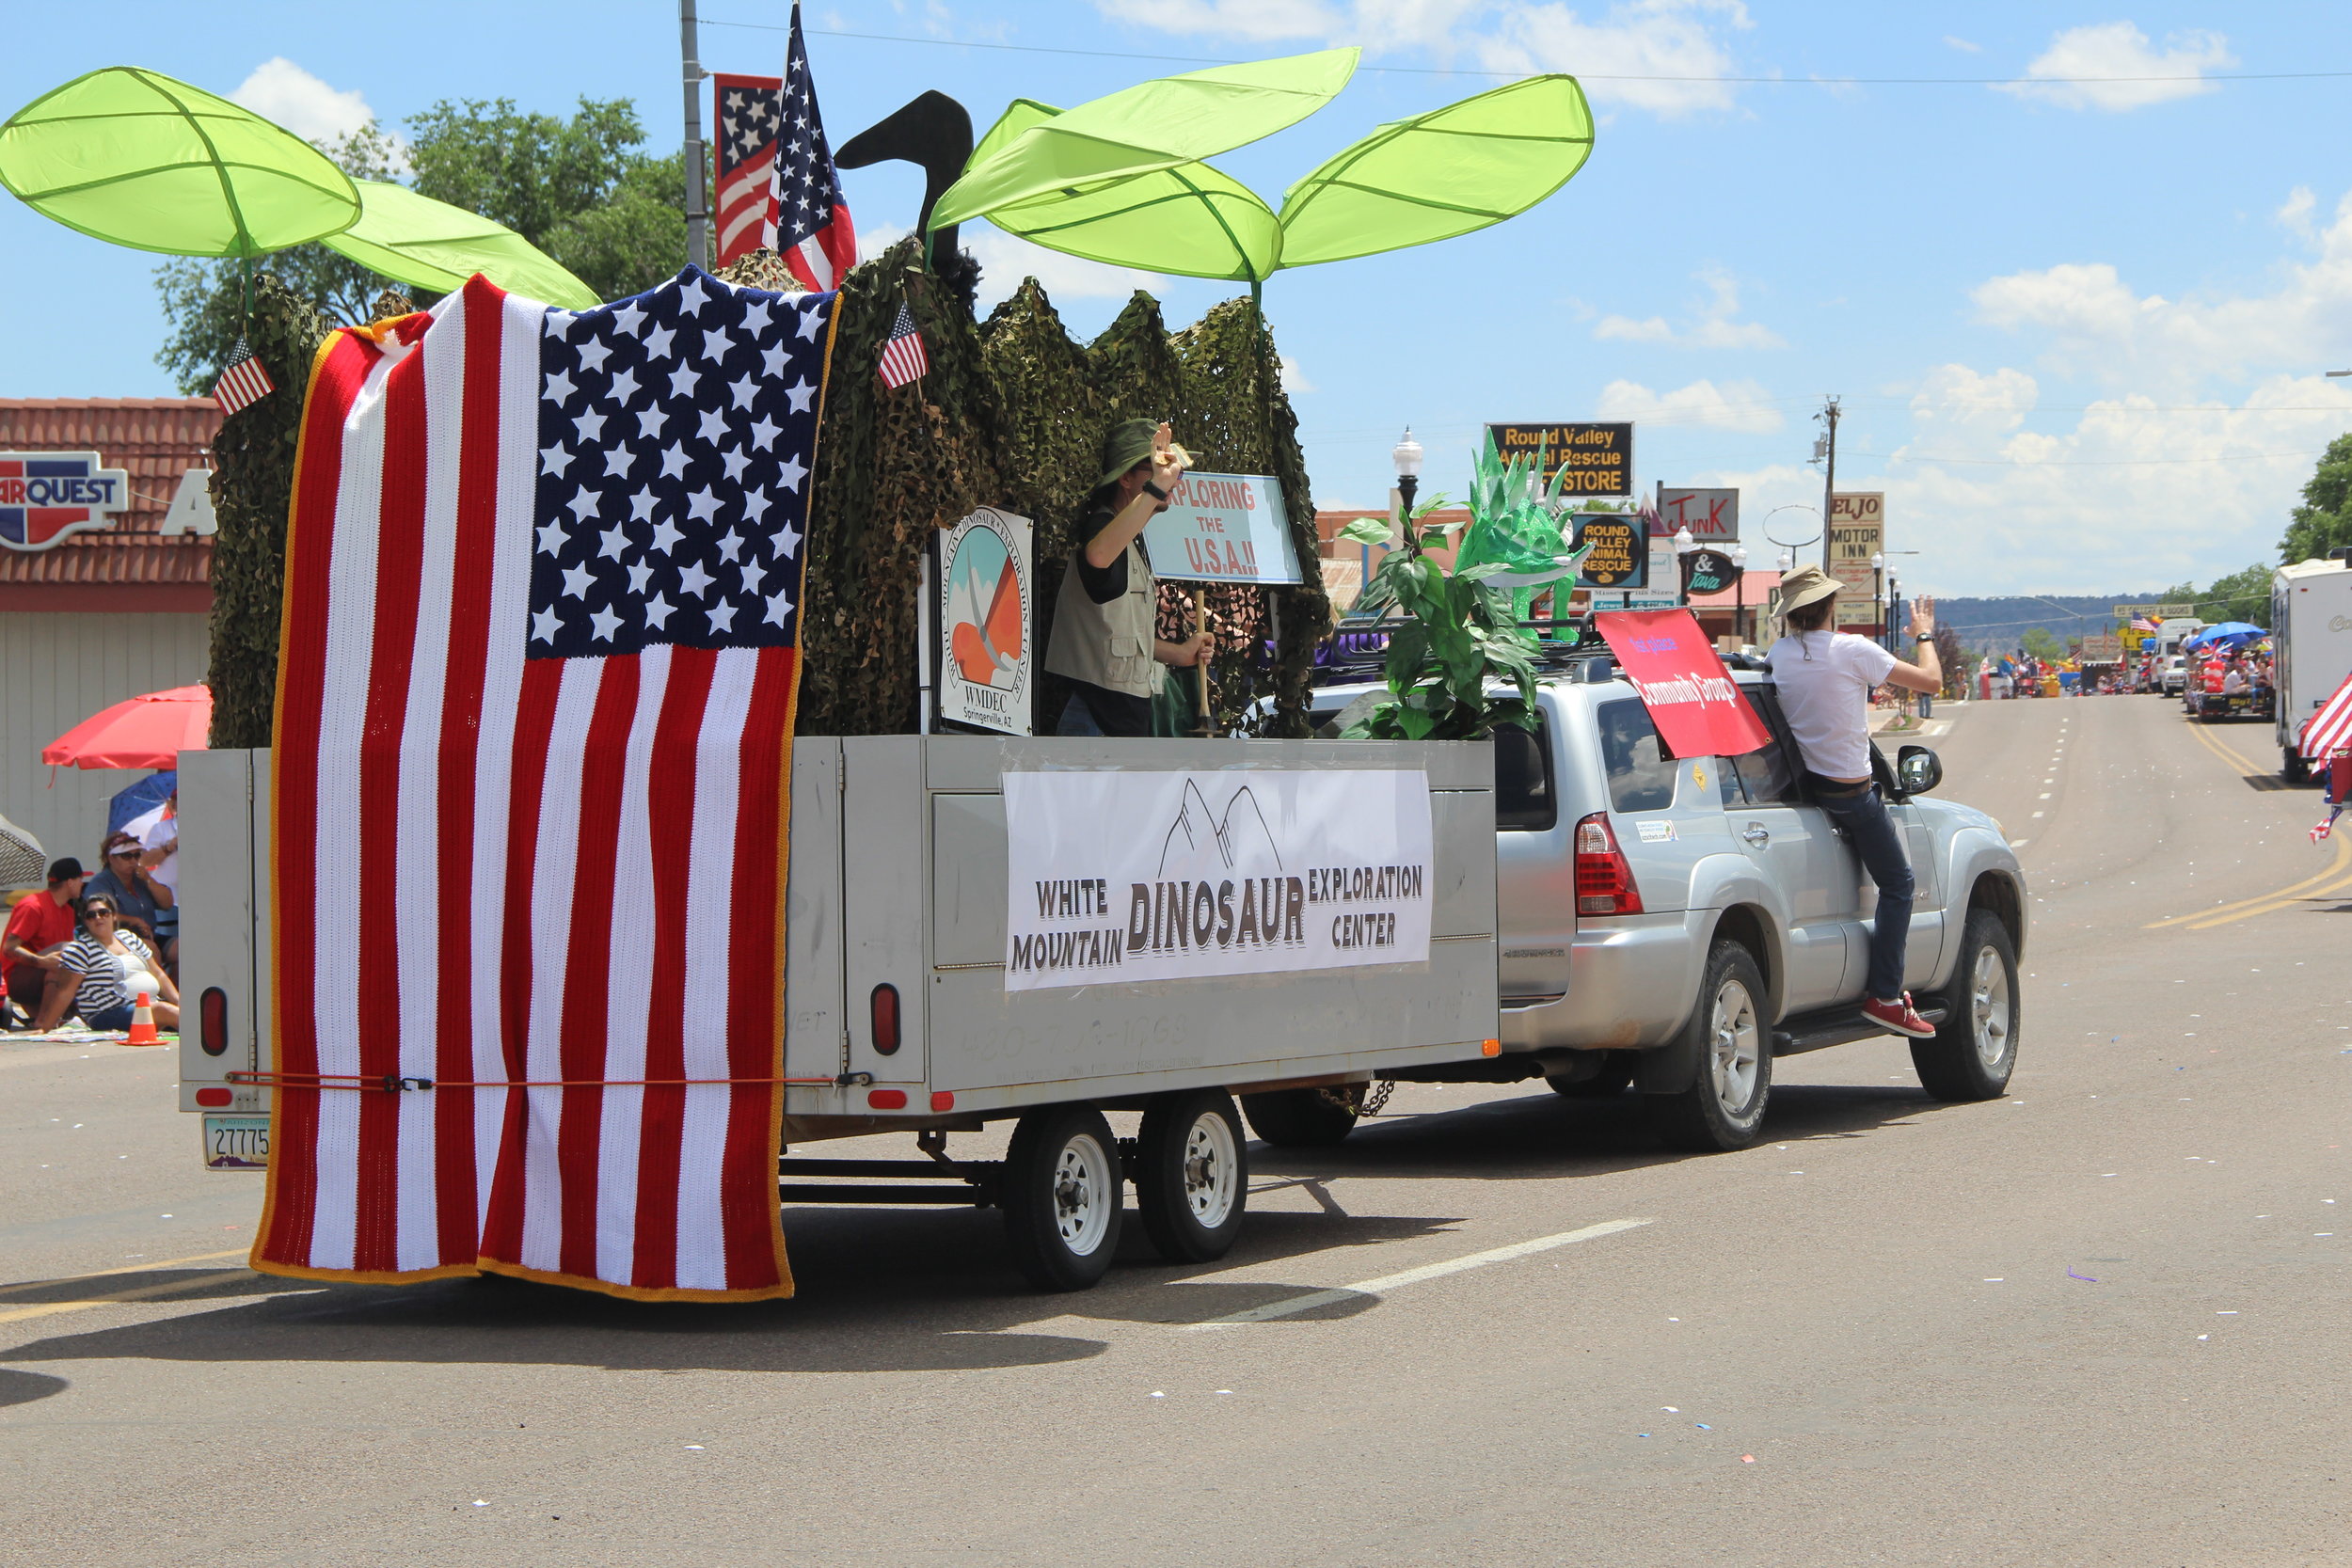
101	970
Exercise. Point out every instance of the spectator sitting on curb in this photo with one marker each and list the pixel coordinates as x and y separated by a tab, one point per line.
131	886
38	926
109	969
159	863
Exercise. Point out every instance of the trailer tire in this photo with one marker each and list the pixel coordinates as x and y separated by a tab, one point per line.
2292	767
1063	1195
1302	1118
1975	1048
1192	1175
1731	1041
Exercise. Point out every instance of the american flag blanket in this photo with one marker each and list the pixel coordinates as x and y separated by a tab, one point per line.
531	792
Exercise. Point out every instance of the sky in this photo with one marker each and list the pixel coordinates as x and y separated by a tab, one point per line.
2075	273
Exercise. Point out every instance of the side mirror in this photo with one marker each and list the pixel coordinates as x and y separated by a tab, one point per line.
1919	769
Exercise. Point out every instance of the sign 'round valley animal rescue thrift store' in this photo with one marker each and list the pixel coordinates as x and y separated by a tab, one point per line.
1125	876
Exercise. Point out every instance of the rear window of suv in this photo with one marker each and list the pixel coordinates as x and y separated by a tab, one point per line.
1641	774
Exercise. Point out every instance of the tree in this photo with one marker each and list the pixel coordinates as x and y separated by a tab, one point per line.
2243	596
2324	520
579	189
2039	641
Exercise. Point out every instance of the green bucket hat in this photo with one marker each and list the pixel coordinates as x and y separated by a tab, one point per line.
1128	444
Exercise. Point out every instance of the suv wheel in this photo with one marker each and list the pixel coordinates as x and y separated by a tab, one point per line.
1975	1048
1724	1107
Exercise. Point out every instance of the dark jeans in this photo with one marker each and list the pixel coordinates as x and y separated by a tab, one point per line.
1879	843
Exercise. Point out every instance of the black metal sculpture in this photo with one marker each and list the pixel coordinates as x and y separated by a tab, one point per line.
932	132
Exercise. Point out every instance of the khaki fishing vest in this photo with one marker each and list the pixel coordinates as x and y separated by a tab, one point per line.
1108	645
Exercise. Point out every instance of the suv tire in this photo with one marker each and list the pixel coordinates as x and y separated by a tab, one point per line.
1732	1043
1303	1118
1975	1048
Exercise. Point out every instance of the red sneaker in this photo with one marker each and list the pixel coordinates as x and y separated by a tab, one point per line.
1898	1017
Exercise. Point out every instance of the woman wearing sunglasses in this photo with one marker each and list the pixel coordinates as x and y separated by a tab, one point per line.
115	967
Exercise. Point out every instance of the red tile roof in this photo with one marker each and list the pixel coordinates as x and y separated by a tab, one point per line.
156	440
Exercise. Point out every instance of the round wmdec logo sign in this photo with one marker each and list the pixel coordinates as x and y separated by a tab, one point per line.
984	622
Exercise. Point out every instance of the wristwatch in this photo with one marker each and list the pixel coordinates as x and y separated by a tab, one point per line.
1927	637
1154	491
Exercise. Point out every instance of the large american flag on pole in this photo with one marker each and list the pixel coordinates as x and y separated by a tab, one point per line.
809	219
531	792
746	111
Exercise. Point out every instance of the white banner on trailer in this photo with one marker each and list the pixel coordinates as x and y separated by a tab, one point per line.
1134	877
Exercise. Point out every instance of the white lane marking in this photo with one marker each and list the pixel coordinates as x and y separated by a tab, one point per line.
2045	794
2036	814
1313	1299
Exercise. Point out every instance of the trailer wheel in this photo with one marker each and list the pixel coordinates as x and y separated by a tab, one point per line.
1192	1175
2292	767
1975	1048
1062	1197
1724	1107
1303	1118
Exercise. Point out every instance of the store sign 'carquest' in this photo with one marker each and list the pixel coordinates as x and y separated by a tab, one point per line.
1120	876
984	623
48	495
1599	457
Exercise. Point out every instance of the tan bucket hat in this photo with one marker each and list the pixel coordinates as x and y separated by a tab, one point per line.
1806	585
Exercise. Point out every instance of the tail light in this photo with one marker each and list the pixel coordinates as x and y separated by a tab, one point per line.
882	1013
1604	879
212	1021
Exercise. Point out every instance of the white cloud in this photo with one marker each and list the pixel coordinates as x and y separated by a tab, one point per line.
1005	261
1665	56
1715	328
1295	379
2296	211
1962	45
282	91
1738	405
2095	323
1241	19
2112	66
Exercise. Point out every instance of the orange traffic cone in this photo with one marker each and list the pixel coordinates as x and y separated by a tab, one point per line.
143	1022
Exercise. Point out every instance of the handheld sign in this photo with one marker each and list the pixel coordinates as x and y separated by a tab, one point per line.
1223	528
1680	679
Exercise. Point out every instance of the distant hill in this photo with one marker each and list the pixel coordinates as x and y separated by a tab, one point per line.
2002	623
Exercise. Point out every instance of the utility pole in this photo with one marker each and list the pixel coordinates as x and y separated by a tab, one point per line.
697	217
1829	475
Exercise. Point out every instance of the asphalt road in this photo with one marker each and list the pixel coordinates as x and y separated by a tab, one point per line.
2105	1321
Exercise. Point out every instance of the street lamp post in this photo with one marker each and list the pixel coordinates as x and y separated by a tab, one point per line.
1740	595
1878	594
1684	545
1407	454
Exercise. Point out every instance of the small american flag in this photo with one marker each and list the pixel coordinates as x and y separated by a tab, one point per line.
808	221
2143	622
903	356
243	381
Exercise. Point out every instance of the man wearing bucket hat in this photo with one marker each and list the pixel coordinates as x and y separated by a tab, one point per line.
1824	678
1105	639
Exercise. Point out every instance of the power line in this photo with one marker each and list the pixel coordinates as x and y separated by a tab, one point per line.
2093	462
1584	76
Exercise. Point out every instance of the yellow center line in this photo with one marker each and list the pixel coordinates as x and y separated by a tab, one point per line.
2224	750
133	1268
2276	903
141	1292
2221	913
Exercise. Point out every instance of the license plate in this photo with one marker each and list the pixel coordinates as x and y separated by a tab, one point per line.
236	1143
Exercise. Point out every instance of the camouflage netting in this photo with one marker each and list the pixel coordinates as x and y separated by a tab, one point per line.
252	487
1011	413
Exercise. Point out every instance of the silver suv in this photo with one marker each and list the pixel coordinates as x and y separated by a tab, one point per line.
1674	925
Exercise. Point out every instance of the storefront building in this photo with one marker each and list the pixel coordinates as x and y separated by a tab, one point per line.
105	587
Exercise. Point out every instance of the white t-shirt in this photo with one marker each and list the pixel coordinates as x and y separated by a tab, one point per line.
1824	679
156	830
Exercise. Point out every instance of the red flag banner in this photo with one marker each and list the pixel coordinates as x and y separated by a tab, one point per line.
531	800
1690	695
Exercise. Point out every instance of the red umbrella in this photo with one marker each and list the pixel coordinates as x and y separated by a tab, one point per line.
144	732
